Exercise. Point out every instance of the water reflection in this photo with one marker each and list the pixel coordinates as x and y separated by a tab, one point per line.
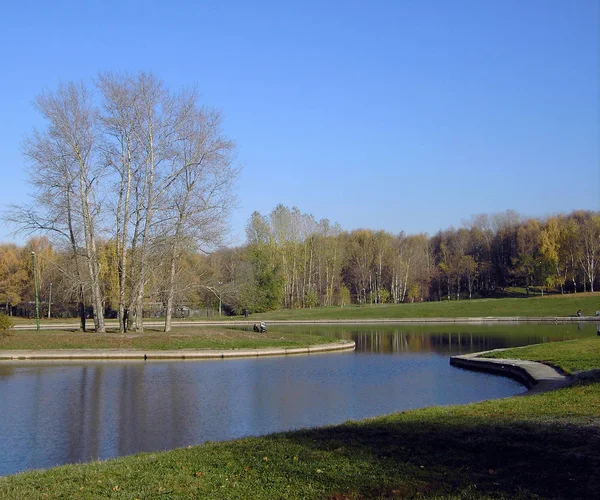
74	411
448	339
447	343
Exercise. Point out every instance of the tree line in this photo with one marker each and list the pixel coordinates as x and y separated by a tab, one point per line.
292	260
296	261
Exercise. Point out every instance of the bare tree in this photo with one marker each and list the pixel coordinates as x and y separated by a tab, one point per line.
200	196
121	152
65	177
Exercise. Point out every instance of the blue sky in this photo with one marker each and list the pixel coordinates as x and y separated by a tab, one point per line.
399	115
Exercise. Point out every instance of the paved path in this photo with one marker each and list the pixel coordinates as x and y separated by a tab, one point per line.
358	321
104	354
538	377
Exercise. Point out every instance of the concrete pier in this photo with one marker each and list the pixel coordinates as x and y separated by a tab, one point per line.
537	377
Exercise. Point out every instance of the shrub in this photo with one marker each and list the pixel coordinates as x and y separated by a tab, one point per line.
5	322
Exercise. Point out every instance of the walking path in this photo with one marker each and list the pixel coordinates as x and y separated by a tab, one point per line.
357	321
538	377
105	354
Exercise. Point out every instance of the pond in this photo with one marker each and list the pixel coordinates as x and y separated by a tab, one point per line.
62	412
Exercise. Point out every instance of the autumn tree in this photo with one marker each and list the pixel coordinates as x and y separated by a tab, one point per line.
550	251
13	277
200	196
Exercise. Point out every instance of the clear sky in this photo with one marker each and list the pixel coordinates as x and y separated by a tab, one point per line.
399	115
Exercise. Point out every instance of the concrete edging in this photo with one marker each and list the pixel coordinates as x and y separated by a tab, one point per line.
104	354
537	377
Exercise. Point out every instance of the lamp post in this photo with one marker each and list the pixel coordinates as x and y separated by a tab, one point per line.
37	295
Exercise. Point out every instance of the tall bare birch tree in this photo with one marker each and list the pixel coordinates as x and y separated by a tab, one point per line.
121	153
140	120
201	193
65	176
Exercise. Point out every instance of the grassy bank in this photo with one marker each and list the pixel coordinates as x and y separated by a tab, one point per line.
541	446
550	305
570	356
154	339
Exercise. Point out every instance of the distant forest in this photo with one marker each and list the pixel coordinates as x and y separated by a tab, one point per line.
291	260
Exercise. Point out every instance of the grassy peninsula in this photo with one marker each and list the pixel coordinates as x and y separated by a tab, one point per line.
212	337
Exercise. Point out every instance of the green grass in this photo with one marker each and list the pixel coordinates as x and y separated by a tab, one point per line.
570	356
549	305
542	446
179	338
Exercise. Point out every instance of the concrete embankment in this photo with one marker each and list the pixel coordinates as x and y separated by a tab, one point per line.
537	377
116	354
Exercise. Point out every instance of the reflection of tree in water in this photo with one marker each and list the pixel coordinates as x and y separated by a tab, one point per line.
448	339
446	343
450	343
6	371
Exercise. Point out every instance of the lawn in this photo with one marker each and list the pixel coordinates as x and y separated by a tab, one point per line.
547	306
153	339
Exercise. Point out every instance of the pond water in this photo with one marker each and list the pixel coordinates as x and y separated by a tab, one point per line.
53	413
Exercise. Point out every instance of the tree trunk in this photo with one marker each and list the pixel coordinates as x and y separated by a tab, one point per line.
170	293
122	226
81	307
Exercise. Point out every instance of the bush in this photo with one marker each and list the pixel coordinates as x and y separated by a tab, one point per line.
5	322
